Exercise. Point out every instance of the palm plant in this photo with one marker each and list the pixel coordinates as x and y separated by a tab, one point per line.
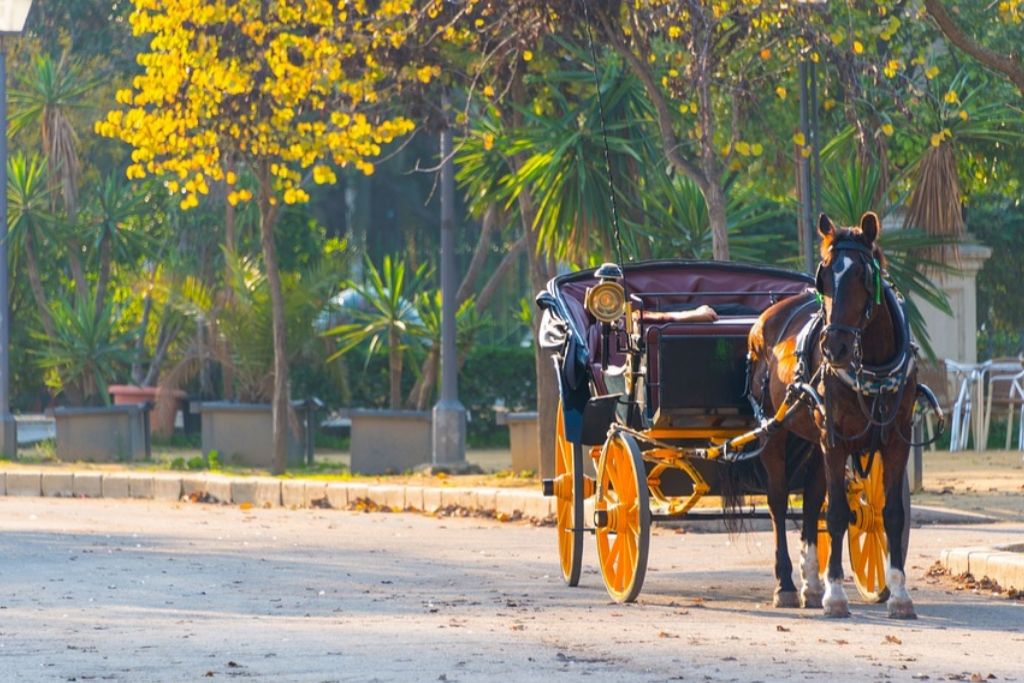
468	323
963	113
28	220
390	320
114	205
44	96
676	221
85	352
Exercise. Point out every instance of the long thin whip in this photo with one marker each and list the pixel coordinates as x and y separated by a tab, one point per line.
604	136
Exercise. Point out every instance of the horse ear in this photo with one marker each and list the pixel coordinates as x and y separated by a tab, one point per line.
825	226
870	226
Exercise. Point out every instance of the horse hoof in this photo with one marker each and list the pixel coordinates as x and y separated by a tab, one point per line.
810	599
785	599
900	609
837	610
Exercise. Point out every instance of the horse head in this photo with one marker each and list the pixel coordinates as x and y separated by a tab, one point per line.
850	285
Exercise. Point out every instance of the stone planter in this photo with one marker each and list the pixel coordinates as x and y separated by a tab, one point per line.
112	434
389	441
243	434
162	419
523	441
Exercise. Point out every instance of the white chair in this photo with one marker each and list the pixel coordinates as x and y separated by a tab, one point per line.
1006	389
970	377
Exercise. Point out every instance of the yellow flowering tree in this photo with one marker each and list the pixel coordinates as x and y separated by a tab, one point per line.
287	91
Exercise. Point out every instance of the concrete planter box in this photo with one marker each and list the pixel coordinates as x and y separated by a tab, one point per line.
113	434
389	441
243	434
523	441
162	420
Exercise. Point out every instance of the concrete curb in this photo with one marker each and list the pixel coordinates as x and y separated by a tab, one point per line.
1002	564
266	492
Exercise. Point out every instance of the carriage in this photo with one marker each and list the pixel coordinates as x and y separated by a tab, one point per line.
654	415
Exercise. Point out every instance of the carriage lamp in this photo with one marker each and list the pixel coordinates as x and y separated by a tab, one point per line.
606	300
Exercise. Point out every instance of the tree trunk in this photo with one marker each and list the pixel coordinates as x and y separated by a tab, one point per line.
541	270
394	368
77	271
419	397
279	403
140	341
36	285
230	246
715	199
103	277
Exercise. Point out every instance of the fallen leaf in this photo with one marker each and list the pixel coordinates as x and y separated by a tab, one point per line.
245	506
666	634
840	641
782	628
893	639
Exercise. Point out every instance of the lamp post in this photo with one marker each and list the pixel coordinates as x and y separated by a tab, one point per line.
809	171
13	14
449	416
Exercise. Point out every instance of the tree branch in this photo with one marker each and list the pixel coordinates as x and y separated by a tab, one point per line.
668	136
1009	66
476	264
487	292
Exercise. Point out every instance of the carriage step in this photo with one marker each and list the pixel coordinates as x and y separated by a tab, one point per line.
548	487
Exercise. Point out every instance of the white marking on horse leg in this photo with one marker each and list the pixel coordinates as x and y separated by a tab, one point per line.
899	605
835	601
811	590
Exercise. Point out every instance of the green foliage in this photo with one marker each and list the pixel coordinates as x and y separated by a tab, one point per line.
677	224
245	323
388	322
492	374
999	224
87	352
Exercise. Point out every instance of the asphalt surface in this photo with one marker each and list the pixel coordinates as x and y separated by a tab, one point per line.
125	590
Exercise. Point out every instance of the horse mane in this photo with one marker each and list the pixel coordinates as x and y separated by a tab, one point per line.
849	235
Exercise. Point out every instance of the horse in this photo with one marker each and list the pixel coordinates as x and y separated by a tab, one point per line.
849	342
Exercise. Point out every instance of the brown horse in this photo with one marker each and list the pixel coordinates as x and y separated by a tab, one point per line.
860	360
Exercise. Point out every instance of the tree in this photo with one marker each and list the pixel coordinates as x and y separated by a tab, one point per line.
287	91
47	92
390	318
1009	13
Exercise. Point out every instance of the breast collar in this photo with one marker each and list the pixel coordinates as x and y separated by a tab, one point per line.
865	379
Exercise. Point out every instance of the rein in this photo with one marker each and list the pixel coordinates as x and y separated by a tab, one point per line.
884	385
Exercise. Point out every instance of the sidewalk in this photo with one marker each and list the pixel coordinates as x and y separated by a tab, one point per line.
958	487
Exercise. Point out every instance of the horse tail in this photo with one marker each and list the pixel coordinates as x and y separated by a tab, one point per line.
731	490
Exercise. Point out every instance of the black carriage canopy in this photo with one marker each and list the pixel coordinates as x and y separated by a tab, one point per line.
737	292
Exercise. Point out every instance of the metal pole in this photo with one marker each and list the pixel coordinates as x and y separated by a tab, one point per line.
806	201
815	143
449	423
8	427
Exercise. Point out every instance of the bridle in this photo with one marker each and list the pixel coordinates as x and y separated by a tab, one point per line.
872	283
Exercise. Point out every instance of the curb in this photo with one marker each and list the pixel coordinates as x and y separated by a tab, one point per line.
1002	564
266	492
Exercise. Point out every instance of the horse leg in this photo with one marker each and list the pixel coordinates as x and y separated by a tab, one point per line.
812	589
835	602
774	460
894	459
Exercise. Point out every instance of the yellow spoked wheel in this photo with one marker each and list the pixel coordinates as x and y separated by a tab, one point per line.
866	537
569	495
824	545
869	549
623	517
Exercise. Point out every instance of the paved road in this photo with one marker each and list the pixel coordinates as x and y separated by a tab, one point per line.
144	591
